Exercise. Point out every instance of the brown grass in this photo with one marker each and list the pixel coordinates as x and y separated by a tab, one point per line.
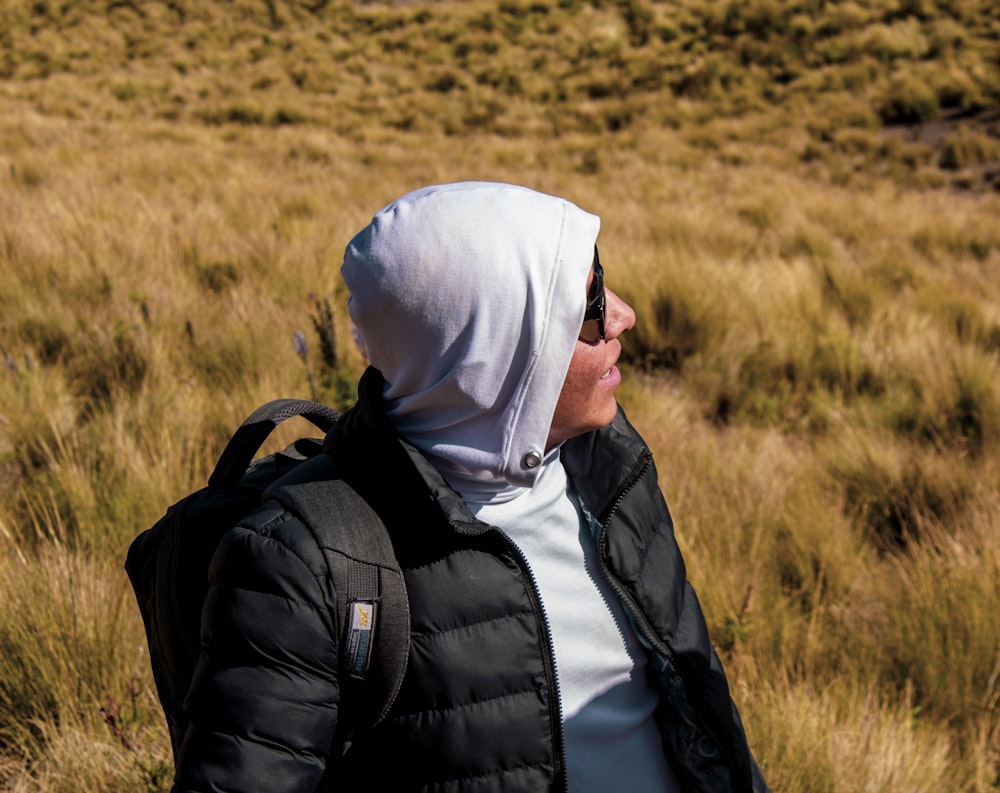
815	365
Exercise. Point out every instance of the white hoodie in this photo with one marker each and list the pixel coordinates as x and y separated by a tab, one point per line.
469	298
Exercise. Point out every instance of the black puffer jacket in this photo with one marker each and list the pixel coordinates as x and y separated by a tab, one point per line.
478	710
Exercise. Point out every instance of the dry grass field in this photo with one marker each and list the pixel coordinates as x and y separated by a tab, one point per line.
801	198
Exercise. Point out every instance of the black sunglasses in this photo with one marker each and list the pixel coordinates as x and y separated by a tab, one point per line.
593	317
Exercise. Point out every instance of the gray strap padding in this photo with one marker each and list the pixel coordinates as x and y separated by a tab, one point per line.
245	442
363	567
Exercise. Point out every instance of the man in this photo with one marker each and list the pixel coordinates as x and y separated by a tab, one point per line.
555	644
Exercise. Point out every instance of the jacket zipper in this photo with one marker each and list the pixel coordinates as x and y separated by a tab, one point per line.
551	675
640	621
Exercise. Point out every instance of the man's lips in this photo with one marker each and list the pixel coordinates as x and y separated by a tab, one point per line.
616	351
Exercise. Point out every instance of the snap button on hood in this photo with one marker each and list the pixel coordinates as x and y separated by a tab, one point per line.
532	460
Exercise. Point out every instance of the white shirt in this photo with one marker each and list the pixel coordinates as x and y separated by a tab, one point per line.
612	742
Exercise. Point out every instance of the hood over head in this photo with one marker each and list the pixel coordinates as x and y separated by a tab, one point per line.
469	298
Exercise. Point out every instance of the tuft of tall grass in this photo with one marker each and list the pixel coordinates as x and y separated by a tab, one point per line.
943	396
844	737
108	754
945	594
909	99
70	639
899	494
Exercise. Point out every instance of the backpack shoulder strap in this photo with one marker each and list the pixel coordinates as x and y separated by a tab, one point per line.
372	607
255	429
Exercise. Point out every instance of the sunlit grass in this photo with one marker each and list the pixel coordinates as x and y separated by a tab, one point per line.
815	363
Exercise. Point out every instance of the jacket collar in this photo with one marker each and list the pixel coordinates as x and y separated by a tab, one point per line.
601	464
379	446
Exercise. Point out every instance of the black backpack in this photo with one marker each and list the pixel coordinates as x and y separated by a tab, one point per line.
168	563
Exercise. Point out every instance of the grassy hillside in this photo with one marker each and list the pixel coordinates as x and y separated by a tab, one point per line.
800	199
906	87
